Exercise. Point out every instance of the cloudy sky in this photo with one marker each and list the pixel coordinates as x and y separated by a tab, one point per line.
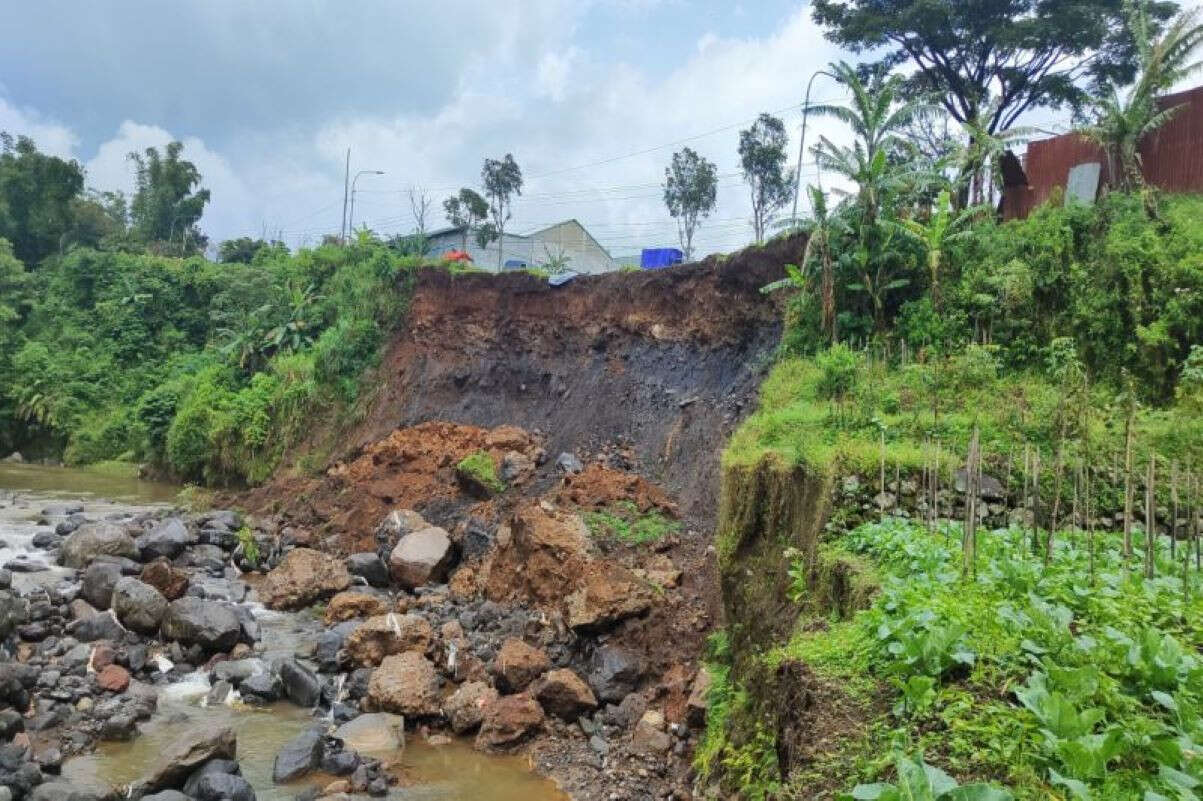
591	97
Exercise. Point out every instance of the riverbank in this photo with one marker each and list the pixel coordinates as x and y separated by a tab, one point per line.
133	625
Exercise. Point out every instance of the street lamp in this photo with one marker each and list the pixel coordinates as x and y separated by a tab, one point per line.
351	215
802	140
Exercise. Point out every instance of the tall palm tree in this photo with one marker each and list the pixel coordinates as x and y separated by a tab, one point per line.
878	119
1122	121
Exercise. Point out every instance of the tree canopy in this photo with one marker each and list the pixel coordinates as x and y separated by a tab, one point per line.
502	180
36	194
467	210
168	202
762	157
690	189
1018	54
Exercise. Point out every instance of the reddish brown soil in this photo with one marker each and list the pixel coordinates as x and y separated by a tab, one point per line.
598	486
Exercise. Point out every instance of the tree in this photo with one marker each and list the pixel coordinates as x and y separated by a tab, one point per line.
762	157
1019	55
502	180
419	204
98	220
942	228
690	189
1122	122
36	193
467	210
167	203
241	250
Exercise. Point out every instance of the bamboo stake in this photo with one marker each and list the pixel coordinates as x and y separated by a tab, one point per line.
968	544
1150	514
1173	510
1128	499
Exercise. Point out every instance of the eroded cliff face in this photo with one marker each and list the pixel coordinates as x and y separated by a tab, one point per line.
662	364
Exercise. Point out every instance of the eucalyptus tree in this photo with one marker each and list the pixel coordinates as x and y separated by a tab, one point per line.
762	157
690	192
502	180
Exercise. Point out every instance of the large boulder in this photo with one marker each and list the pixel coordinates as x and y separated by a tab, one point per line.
196	746
607	594
97	584
166	540
616	671
170	581
62	791
508	721
407	684
219	786
299	756
518	664
102	626
385	635
465	708
302	577
96	539
565	694
421	557
192	621
138	606
380	733
301	685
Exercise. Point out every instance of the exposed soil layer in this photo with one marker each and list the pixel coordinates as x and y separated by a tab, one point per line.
665	362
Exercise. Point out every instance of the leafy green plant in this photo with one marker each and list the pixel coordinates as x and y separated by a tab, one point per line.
919	781
623	521
479	467
249	545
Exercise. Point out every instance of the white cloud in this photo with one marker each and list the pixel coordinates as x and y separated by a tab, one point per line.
554	71
52	137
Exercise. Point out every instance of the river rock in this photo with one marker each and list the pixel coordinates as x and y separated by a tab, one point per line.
192	621
166	540
167	795
298	757
349	605
97	584
47	540
14	611
507	721
63	791
96	539
699	702
301	686
113	678
212	766
101	626
196	746
650	738
261	688
565	694
302	577
373	733
138	606
218	786
405	683
370	567
568	463
518	664
464	708
385	635
615	673
421	557
170	581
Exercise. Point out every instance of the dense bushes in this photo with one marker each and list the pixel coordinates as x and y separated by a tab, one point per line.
206	370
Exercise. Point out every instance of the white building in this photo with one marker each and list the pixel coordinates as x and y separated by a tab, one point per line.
565	242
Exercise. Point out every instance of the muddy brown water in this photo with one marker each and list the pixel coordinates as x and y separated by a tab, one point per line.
450	772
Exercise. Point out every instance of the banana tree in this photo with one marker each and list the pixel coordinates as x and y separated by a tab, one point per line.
944	227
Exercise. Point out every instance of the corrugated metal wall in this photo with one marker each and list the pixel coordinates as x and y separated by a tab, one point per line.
1173	158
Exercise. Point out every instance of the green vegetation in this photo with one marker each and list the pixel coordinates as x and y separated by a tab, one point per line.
249	545
1028	674
623	521
210	372
479	467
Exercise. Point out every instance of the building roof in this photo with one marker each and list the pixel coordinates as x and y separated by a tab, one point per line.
458	229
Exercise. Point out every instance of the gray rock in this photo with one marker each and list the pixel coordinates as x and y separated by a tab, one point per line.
6	579
568	463
102	626
167	795
167	539
615	673
373	733
301	686
63	791
48	539
261	688
370	567
96	588
212	766
298	757
192	621
96	539
237	671
223	787
138	606
421	557
196	746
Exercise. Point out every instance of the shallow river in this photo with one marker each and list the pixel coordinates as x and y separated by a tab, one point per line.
453	772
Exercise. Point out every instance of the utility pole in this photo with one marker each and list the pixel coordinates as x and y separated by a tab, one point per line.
351	213
802	140
342	232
